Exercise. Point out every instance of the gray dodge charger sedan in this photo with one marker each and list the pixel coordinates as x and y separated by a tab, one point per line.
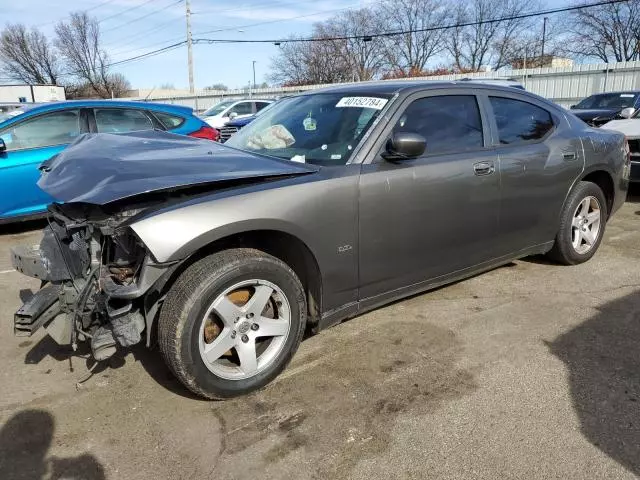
330	204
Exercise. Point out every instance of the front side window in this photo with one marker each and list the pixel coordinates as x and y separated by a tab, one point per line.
520	121
218	108
447	122
121	120
319	128
57	128
243	108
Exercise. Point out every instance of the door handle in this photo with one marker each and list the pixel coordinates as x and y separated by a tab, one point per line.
484	168
568	156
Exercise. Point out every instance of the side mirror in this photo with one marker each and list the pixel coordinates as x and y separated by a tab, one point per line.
3	146
627	112
404	146
233	115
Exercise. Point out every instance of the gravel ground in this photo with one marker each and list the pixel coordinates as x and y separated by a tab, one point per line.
530	371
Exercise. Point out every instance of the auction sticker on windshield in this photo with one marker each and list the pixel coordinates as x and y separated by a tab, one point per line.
362	102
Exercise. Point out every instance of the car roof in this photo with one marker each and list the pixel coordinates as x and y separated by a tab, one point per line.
46	107
635	92
387	87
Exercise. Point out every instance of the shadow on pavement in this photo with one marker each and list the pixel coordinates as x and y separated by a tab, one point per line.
602	356
633	195
24	442
151	360
22	227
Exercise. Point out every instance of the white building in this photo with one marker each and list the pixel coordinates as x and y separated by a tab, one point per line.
31	93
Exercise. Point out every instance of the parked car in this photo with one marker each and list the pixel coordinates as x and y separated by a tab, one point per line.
227	110
332	203
601	108
35	133
630	127
232	126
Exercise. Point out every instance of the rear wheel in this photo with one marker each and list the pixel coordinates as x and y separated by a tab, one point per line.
231	322
582	225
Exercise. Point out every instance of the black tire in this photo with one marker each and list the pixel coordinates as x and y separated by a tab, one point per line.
563	250
188	300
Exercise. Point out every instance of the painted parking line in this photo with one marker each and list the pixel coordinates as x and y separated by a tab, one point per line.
8	271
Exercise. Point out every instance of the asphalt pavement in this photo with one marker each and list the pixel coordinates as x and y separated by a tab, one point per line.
530	371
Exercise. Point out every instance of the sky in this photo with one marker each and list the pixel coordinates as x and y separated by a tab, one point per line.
134	27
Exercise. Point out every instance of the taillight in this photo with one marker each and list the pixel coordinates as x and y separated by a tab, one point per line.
206	132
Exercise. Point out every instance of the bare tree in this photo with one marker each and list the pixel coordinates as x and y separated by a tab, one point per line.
28	56
410	52
78	41
608	32
362	55
307	63
487	32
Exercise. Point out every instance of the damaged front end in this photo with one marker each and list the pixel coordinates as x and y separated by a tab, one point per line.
96	276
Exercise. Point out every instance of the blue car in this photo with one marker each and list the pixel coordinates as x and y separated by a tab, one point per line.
39	132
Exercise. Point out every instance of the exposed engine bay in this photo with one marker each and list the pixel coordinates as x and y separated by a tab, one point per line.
95	273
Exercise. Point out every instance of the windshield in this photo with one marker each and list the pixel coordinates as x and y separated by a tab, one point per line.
322	128
613	101
218	108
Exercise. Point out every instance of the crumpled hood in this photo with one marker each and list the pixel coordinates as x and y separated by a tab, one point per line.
630	126
103	168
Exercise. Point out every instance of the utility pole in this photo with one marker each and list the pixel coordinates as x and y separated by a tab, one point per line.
254	74
189	47
544	34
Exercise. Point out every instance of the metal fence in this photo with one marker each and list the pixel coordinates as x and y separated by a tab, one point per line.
563	85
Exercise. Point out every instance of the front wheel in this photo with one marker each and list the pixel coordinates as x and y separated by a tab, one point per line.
582	224
231	322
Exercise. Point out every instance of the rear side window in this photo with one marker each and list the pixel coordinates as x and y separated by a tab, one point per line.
120	120
243	108
448	123
261	105
520	121
169	121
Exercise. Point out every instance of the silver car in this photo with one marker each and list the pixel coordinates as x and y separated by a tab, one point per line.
330	204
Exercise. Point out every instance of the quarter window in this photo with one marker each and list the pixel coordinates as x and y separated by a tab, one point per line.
57	128
520	121
120	120
447	122
169	121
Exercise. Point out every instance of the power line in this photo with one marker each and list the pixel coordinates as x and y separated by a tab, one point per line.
227	29
246	7
86	10
370	36
127	10
142	17
143	33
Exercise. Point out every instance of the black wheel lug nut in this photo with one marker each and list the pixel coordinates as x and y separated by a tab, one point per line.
233	334
249	315
245	338
255	326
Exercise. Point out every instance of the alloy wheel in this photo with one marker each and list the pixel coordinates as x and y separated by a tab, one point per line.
585	227
245	329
